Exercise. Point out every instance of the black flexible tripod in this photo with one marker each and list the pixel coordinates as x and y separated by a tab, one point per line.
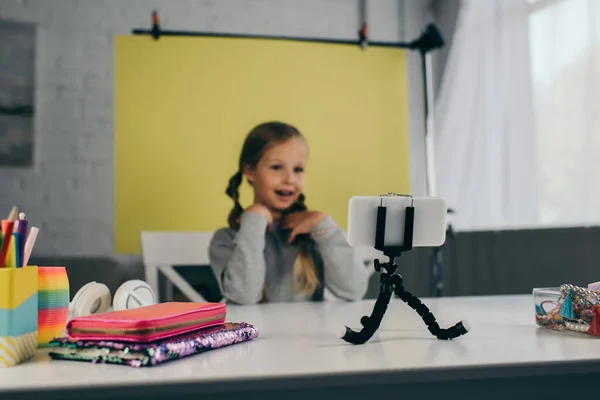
392	282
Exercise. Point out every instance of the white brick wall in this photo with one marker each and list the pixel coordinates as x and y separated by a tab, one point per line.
69	191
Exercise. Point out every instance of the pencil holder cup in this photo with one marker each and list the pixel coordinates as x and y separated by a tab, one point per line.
53	303
18	314
569	309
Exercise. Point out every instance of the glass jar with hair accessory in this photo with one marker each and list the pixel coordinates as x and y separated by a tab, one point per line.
568	308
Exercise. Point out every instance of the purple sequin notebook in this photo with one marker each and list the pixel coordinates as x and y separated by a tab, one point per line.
150	354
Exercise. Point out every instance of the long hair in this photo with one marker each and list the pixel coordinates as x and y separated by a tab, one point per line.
258	141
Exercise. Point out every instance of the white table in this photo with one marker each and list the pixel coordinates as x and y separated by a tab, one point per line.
297	349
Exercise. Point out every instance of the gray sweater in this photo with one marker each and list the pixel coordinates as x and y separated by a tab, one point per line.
246	260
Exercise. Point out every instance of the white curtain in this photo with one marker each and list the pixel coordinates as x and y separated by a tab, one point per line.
517	134
565	50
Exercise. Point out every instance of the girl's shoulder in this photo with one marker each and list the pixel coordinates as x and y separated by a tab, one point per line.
223	236
252	227
228	234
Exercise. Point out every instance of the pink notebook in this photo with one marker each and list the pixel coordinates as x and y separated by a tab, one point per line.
148	323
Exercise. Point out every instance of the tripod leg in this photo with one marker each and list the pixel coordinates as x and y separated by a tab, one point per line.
371	323
413	302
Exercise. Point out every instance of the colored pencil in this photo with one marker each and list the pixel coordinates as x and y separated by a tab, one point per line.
7	228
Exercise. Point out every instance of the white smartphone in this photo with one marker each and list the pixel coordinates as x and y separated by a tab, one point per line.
429	229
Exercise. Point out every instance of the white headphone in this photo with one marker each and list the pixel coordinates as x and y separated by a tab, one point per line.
94	298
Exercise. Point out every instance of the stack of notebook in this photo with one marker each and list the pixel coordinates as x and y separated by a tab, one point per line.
150	335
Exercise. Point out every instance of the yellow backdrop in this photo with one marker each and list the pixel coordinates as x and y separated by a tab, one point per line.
183	106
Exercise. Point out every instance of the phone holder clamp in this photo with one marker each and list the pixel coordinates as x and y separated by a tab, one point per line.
391	282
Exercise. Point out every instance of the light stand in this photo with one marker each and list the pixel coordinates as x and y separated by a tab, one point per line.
429	40
392	282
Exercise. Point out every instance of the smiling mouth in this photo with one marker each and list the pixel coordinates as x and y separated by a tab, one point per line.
284	193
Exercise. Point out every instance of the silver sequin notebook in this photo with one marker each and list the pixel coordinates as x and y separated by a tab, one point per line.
154	353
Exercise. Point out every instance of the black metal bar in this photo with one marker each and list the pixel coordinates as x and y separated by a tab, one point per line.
380	227
409	226
290	38
425	97
394	251
18	111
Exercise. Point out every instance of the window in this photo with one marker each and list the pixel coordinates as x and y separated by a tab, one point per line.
565	67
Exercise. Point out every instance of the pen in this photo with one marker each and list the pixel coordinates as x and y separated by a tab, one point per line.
22	237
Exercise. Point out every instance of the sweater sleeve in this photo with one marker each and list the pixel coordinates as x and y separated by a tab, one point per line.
346	276
238	260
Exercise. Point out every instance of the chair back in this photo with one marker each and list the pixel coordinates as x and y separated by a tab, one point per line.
175	248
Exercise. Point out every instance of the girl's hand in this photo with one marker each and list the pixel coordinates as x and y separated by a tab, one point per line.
302	222
262	210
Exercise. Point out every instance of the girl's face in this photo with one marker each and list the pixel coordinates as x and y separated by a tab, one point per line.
278	179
